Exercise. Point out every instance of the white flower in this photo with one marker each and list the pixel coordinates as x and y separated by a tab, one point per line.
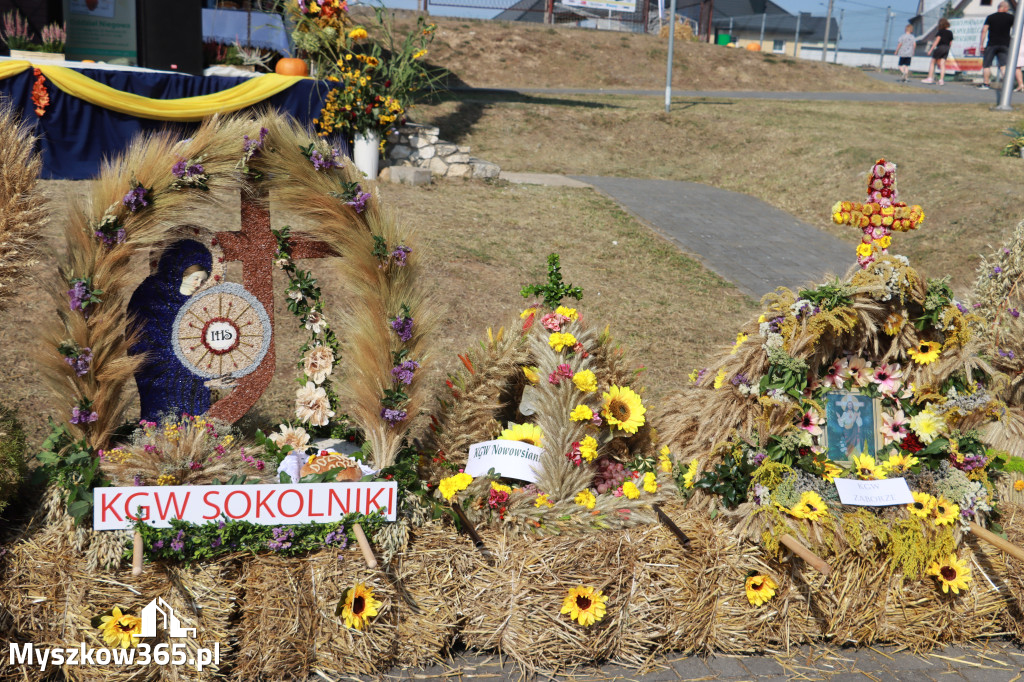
296	437
312	405
318	363
315	322
295	295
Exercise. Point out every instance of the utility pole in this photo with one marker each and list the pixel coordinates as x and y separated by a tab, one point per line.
1006	90
796	37
671	51
828	25
885	38
839	35
764	18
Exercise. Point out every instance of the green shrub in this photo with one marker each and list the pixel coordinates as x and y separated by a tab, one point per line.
13	464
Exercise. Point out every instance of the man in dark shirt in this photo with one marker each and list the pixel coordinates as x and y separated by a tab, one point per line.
997	28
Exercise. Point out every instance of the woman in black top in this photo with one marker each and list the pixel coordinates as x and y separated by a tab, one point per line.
939	50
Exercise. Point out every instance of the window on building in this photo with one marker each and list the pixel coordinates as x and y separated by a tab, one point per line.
778	45
986	2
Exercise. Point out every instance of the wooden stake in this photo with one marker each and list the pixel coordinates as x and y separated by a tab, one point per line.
993	539
683	538
364	545
478	541
137	552
795	546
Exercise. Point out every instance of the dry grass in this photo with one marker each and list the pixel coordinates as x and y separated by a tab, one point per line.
479	244
798	156
512	55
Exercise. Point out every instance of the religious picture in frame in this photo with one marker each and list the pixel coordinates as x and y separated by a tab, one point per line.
851	425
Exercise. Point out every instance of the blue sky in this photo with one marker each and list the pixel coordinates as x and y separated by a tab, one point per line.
863	20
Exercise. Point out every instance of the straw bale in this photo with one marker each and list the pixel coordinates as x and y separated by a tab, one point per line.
426	570
340	650
1013	573
90	594
205	597
277	599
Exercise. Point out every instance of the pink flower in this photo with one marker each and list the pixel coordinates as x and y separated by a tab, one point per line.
858	371
618	492
888	378
812	384
553	321
563	371
894	427
811	423
834	375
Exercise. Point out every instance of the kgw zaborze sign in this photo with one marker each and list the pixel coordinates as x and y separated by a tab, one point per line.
265	504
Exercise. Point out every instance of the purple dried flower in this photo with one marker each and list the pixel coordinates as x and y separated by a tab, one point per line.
179	169
281	540
81	362
111	238
960	306
158	544
178	543
136	480
758	458
403	372
403	327
1015	313
359	202
136	199
215	543
392	417
83	416
325	163
400	254
78	293
338	538
738	379
997	269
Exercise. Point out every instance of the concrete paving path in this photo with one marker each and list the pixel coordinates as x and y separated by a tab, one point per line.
744	240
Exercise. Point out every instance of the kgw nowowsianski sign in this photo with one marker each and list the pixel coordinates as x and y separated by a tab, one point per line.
271	504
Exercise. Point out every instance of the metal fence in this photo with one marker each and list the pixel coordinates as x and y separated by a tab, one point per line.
595	14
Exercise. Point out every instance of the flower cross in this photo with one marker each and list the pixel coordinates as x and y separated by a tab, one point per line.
880	215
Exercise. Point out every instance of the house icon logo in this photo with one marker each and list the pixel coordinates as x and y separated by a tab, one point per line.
158	607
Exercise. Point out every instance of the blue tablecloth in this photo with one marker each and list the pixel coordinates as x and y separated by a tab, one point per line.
76	136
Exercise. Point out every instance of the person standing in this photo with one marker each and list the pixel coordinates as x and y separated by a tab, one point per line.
997	28
905	50
939	50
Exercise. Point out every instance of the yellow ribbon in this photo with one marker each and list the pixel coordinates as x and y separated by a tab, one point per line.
72	82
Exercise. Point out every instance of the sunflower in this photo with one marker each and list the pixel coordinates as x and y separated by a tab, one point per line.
584	605
524	433
760	588
922	505
945	512
925	352
622	408
810	507
120	629
831	471
952	573
360	607
899	464
893	324
865	469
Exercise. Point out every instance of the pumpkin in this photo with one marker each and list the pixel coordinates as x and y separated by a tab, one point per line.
753	47
289	66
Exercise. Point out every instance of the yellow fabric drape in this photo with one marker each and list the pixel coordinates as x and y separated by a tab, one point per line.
197	108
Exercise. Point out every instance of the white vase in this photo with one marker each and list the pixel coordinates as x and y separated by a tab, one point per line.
367	153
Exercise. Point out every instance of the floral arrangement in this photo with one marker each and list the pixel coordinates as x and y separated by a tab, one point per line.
569	396
17	34
379	76
880	215
319	27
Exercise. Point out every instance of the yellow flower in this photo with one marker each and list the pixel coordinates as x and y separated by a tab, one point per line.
831	471
588	449
571	313
664	450
585	498
630	490
419	53
453	484
665	464
760	588
740	338
560	340
623	408
693	376
360	607
885	242
945	512
524	433
691	473
720	378
585	380
899	464
650	483
581	413
952	574
501	488
863	250
810	507
1018	485
357	34
166	479
543	501
526	313
922	505
893	323
865	469
926	424
531	374
119	629
925	352
584	605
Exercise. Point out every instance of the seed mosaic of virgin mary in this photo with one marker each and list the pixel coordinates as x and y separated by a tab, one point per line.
167	387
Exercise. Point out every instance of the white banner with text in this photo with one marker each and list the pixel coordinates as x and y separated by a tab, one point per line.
891	491
508	458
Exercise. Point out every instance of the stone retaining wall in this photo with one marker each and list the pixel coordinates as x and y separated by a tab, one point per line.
422	147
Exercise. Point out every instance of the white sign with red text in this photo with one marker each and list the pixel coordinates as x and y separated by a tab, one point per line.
272	504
